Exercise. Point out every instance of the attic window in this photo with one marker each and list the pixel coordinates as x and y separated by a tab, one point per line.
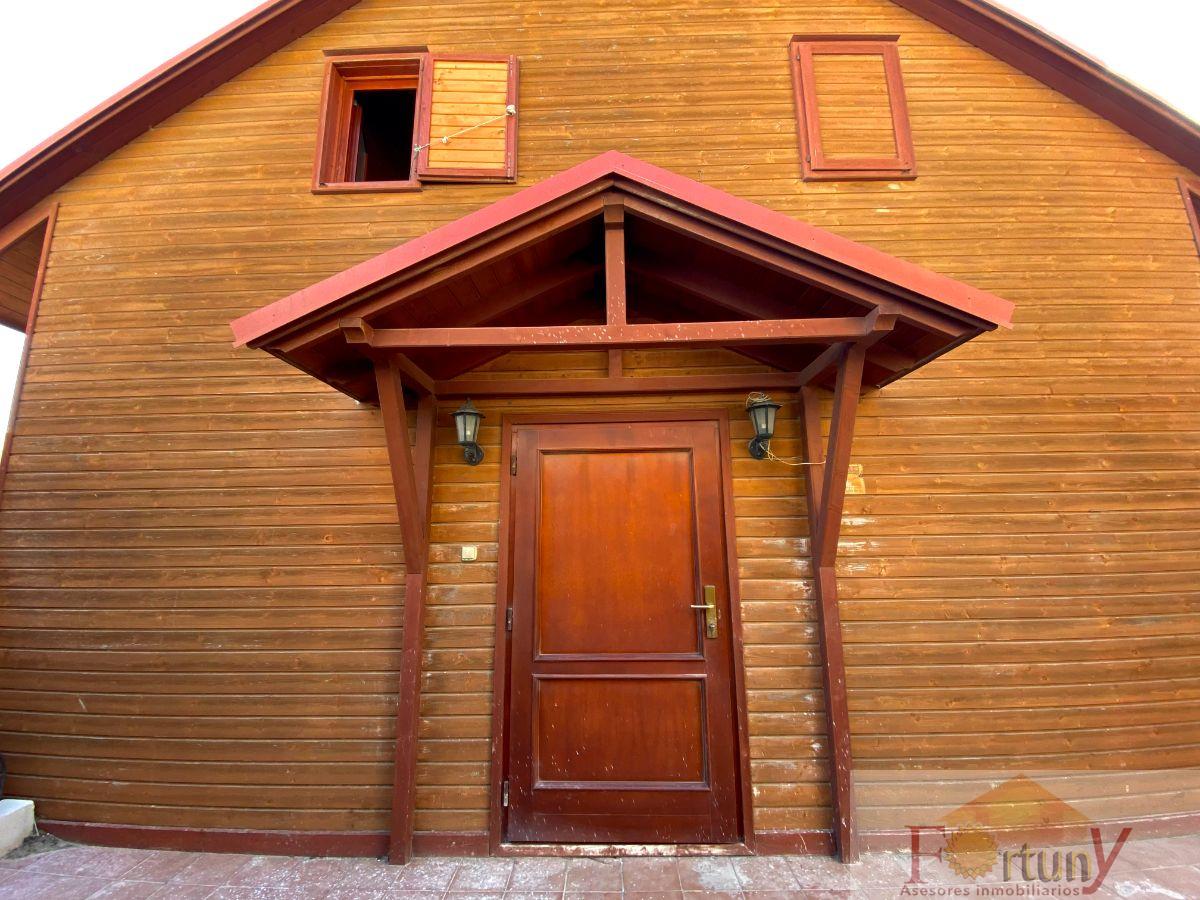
852	114
369	123
381	132
1191	201
391	121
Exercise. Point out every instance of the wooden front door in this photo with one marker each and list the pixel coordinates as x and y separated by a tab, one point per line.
622	709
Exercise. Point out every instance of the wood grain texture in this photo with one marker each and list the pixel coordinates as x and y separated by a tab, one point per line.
199	555
852	105
18	273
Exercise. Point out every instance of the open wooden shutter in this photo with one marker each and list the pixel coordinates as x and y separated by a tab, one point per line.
470	105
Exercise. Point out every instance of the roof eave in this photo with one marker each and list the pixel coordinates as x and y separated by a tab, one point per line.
148	101
1068	70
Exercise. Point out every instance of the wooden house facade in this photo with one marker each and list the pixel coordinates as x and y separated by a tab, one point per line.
259	591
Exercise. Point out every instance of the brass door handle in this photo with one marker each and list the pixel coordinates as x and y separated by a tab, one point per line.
710	610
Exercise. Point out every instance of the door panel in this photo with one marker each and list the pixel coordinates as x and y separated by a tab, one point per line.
621	711
598	565
664	717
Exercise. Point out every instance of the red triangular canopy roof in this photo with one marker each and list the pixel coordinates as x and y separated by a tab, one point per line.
695	254
255	326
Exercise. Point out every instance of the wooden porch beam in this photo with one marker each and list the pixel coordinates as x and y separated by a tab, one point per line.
615	299
581	387
566	337
825	492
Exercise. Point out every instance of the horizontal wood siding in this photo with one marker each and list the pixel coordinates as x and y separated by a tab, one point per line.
18	273
853	106
199	560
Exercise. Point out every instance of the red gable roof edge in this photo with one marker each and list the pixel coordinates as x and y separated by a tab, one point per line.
151	99
1070	71
262	322
249	40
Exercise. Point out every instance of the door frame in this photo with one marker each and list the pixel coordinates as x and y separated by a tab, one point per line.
501	667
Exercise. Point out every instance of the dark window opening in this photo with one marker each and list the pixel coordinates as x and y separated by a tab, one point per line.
383	148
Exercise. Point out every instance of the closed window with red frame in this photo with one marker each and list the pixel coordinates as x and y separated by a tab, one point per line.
390	122
852	113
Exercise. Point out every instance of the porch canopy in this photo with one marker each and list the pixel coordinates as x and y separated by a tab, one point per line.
615	254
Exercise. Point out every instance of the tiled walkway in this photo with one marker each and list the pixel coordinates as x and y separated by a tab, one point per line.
1149	869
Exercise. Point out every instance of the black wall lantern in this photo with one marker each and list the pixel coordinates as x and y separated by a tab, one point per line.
761	409
466	420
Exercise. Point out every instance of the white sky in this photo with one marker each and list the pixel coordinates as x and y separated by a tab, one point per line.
101	47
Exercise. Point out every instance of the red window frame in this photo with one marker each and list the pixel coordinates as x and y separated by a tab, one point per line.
1190	188
336	133
815	165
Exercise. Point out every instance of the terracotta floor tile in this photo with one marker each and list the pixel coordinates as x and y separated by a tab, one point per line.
645	875
1141	887
597	875
1155	854
698	873
427	874
160	865
482	875
243	892
127	890
1178	878
165	875
183	892
8	864
210	868
538	874
268	871
88	862
38	886
368	875
764	873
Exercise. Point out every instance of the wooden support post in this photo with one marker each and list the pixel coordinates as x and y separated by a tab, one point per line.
412	473
616	363
614	261
825	490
